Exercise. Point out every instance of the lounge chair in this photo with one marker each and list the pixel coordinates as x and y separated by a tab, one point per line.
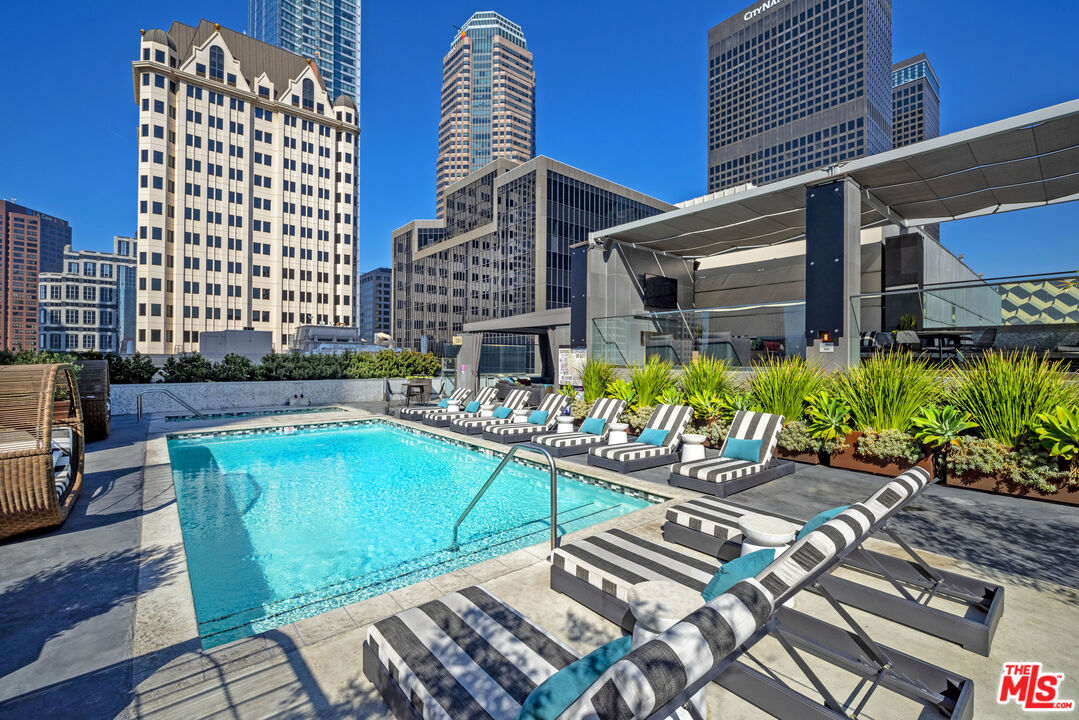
442	419
961	609
635	455
514	401
552	406
600	571
577	443
722	476
417	412
468	654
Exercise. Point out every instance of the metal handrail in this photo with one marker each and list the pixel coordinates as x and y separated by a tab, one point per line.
138	403
505	460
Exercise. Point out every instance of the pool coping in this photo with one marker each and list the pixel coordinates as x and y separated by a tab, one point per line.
165	611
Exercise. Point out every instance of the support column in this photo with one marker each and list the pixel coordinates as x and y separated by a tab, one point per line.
833	271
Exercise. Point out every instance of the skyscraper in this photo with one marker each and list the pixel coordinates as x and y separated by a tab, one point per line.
326	30
488	100
246	190
374	297
30	242
915	101
797	85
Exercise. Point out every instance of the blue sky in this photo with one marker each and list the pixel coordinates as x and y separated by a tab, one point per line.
621	93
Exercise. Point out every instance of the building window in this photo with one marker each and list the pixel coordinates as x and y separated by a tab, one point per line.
308	94
217	63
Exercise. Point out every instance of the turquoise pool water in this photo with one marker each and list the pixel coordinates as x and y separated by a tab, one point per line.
283	525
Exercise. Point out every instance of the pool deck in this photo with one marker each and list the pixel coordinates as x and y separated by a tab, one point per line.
97	619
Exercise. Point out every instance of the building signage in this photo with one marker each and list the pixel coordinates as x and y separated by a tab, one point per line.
766	5
570	363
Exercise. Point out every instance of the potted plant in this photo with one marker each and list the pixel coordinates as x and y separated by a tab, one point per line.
797	443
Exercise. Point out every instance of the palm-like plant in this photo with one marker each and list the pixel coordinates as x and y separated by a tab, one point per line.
940	427
828	417
651	379
888	390
1006	392
595	376
707	407
734	401
1059	433
706	374
619	389
781	386
671	396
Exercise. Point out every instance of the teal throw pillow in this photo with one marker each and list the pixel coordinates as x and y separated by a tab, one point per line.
749	450
819	519
537	417
737	570
593	426
473	406
443	403
653	436
562	689
502	412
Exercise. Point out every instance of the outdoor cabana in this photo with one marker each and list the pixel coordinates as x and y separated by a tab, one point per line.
41	446
94	395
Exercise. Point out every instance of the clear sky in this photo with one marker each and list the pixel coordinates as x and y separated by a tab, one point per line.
621	93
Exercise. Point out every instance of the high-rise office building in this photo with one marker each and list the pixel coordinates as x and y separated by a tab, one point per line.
86	305
246	190
488	100
505	248
915	101
797	85
326	30
30	242
373	305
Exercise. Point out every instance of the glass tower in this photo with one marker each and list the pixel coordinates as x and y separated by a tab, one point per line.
488	100
327	30
915	101
796	86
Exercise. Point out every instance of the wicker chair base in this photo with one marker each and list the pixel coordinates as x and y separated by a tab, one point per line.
96	417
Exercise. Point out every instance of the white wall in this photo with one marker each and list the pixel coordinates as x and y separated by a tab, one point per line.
239	395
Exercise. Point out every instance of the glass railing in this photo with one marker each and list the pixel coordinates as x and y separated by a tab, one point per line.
961	321
740	335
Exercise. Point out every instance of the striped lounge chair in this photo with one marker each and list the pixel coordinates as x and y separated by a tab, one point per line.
442	419
515	400
969	617
600	571
553	404
578	443
417	412
722	476
630	456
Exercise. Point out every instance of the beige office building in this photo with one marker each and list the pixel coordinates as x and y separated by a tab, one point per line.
488	100
246	190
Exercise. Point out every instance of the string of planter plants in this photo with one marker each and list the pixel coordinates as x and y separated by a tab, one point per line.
1006	422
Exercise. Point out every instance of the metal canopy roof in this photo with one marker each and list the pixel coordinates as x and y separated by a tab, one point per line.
1024	161
531	323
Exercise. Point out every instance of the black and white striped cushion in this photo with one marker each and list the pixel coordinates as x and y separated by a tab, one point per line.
515	400
672	418
460	394
710	516
486	395
717	469
608	409
466	655
61	474
624	452
552	404
748	425
655	673
572	439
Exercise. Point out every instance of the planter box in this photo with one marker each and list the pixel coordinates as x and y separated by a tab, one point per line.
850	459
810	458
1002	486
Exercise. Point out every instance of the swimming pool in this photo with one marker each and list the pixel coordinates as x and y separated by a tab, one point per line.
252	413
283	524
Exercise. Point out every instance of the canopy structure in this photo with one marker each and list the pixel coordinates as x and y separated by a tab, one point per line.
1025	161
543	324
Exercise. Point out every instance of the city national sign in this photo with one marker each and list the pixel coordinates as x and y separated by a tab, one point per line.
766	5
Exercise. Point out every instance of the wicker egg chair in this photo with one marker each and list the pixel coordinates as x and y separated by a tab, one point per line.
94	396
41	446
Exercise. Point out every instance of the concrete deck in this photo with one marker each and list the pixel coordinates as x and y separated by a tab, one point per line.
97	619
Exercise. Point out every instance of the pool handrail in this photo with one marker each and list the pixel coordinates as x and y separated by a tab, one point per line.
138	403
505	460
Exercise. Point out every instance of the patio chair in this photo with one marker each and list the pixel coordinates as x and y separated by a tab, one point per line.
577	443
552	406
721	475
417	412
908	590
599	572
442	419
667	421
468	654
41	446
515	401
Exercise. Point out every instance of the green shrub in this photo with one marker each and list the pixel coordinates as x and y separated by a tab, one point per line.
137	368
1028	466
828	419
671	396
1059	434
650	380
233	368
941	427
889	445
596	375
796	438
706	375
734	401
637	417
620	389
707	406
390	364
716	431
1006	392
781	386
187	369
580	408
888	390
